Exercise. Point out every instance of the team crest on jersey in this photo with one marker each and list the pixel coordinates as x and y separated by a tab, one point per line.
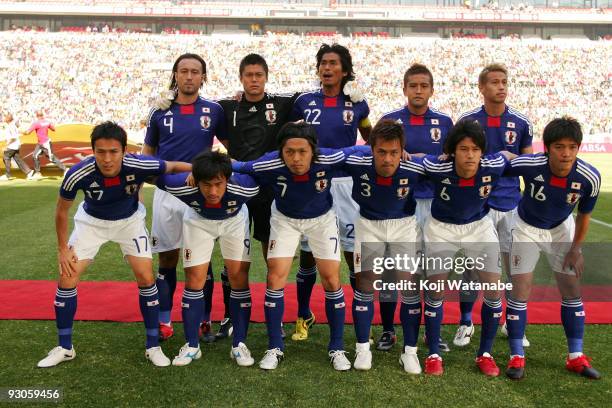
348	116
576	185
205	110
511	125
231	210
272	244
271	116
510	136
572	198
485	190
357	258
205	121
187	254
402	192
321	185
436	134
516	260
154	241
131	189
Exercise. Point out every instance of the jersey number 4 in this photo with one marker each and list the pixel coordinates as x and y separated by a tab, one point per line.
169	122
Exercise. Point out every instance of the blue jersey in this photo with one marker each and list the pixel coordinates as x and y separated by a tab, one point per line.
110	198
424	134
383	198
336	119
306	196
240	189
458	200
182	131
548	200
511	131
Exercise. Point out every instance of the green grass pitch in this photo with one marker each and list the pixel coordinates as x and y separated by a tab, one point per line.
110	369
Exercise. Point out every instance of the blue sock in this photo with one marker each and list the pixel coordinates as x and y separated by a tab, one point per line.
434	313
335	312
410	316
572	317
516	322
240	312
274	308
209	287
166	285
148	299
467	298
387	301
490	314
193	303
363	312
226	292
65	309
305	280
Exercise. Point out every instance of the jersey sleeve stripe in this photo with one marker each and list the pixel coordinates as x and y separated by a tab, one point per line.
268	167
150	116
77	176
593	178
468	113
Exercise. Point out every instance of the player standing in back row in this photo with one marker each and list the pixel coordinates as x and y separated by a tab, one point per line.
178	133
336	111
505	129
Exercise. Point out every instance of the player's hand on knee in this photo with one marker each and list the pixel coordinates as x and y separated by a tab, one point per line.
354	91
67	261
164	100
575	261
406	156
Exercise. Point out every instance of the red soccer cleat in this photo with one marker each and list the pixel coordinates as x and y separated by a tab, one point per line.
205	333
433	365
165	331
582	366
486	365
516	368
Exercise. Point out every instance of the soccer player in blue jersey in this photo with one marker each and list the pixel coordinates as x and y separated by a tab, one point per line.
180	132
300	177
509	130
336	113
459	222
383	186
555	183
110	180
426	129
216	211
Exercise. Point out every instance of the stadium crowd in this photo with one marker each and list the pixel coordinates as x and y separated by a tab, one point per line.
90	77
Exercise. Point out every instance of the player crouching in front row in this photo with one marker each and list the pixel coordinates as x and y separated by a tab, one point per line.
110	211
216	211
300	175
555	183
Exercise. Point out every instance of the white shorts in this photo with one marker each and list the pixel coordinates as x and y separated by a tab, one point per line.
90	233
528	241
385	238
504	222
321	233
199	235
423	210
167	228
478	240
346	210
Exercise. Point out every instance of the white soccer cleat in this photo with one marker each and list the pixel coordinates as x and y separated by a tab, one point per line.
187	355
4	177
339	360
504	330
242	355
363	357
57	355
271	359
410	360
36	176
157	357
463	335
